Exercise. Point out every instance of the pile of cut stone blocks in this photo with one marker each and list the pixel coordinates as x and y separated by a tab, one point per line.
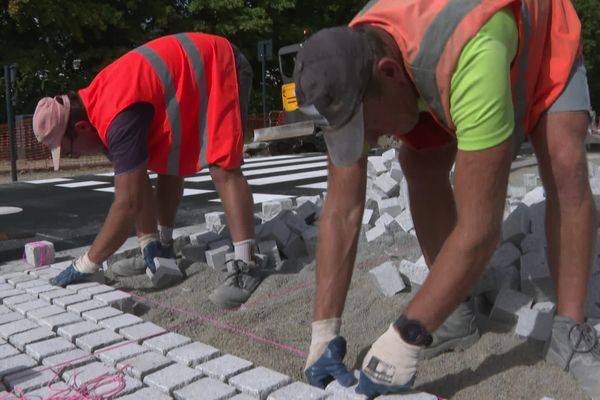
284	231
516	286
387	208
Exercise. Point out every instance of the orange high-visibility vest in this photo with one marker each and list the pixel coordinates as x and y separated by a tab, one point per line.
431	35
191	81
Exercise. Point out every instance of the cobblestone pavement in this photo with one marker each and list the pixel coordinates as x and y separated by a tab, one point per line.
53	338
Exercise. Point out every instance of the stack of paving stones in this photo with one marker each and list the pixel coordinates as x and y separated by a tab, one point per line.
516	288
284	231
62	337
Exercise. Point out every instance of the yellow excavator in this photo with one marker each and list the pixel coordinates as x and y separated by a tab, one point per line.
289	130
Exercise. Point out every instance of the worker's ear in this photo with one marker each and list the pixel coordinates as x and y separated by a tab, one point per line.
84	127
389	68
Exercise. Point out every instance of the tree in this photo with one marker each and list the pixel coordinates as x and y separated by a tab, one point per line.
589	13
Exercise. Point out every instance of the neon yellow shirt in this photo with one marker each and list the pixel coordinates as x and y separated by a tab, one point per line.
481	104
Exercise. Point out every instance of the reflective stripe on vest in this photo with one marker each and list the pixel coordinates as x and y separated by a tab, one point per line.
198	66
172	103
424	66
520	85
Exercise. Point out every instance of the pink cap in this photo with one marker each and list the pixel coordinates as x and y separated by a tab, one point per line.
50	121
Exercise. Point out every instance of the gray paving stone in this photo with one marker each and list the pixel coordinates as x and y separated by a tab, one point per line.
9	293
172	378
121	351
298	391
80	308
45	392
4	310
37	272
6	350
259	382
211	389
5	286
49	273
37	290
121	321
142	331
16	363
29	379
56	321
100	314
67	360
32	283
73	331
12	301
12	328
40	313
117	299
96	369
145	364
147	393
8	275
77	287
167	342
225	367
21	340
10	317
46	348
96	340
30	305
193	354
243	396
66	301
51	295
98	289
15	280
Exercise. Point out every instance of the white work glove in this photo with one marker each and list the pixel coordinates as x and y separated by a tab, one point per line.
390	365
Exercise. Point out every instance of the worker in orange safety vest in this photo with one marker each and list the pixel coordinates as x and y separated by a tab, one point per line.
460	83
174	106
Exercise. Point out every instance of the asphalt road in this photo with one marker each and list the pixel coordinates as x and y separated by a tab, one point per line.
69	211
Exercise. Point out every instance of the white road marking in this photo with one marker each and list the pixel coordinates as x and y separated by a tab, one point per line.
320	185
287	178
10	210
82	184
279	162
257	159
192	192
259	198
108	189
263	171
51	180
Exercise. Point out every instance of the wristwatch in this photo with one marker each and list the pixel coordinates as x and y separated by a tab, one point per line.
412	332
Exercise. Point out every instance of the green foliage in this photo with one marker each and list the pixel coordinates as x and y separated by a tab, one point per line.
60	45
589	13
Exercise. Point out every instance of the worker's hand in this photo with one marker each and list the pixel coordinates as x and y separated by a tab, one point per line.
151	250
328	364
390	366
70	275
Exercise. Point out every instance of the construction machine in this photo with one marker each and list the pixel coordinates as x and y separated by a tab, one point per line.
289	130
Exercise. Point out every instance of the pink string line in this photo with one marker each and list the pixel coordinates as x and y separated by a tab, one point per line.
223	325
89	388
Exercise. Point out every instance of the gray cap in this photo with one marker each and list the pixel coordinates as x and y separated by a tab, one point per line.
332	72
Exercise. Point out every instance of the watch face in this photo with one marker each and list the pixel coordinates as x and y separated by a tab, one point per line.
412	333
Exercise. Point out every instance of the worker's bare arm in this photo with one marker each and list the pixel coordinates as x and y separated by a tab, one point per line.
338	236
480	182
129	200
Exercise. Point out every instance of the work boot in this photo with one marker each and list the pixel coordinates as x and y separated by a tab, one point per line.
331	366
458	332
575	348
238	286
